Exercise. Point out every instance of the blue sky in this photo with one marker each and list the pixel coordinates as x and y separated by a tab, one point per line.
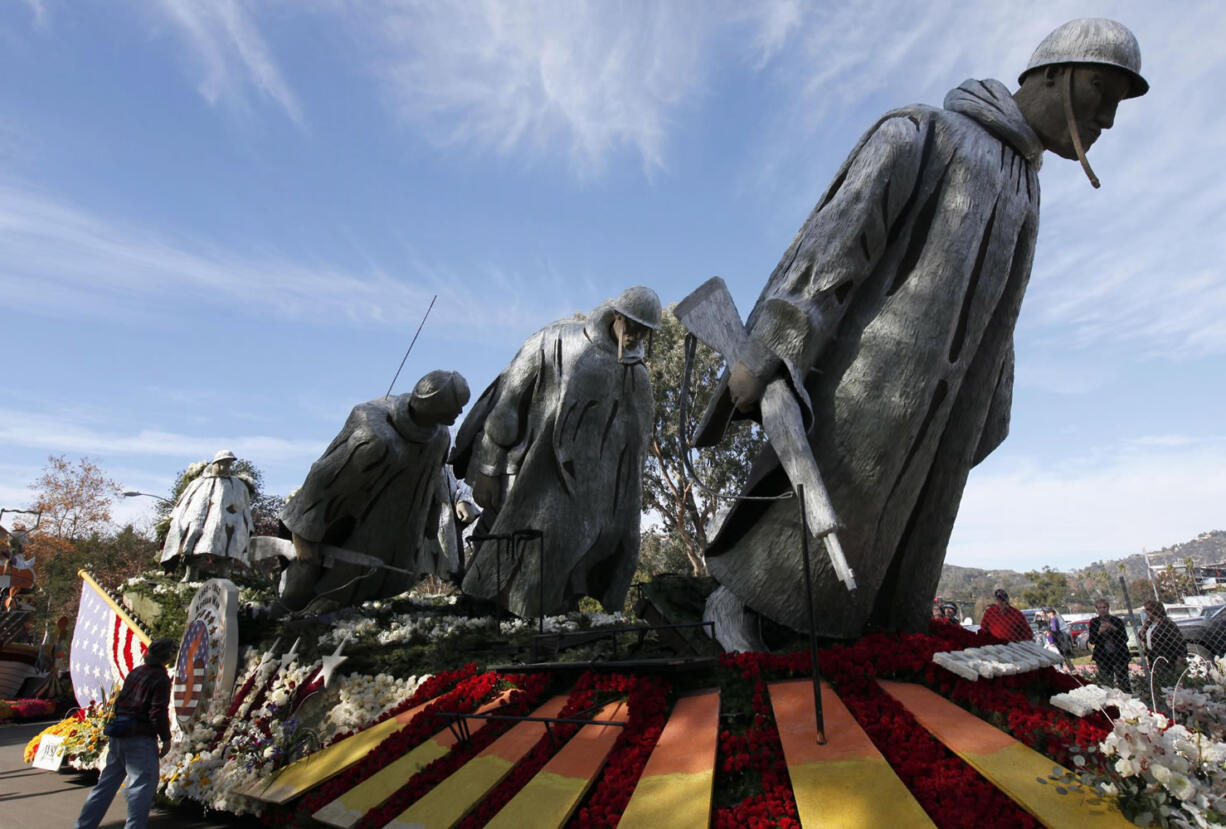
221	222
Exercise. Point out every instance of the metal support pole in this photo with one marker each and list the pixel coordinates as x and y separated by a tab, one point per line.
499	539
817	679
1140	644
521	538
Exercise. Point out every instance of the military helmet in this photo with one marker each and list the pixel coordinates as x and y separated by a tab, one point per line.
1092	40
640	304
447	389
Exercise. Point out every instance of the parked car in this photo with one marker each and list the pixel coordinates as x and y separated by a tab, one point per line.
1206	634
1080	631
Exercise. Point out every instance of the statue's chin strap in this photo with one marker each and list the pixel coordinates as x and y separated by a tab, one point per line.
1074	133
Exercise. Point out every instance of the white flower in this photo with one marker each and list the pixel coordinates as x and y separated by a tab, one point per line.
1181	787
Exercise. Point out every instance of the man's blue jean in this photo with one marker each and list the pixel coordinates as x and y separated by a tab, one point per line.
137	758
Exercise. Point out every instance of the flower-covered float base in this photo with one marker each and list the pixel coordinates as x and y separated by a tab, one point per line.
282	710
24	710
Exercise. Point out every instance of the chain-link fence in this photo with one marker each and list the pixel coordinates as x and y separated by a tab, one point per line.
1168	645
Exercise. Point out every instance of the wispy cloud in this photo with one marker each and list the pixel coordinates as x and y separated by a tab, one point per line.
72	434
591	79
230	54
38	11
59	259
1112	502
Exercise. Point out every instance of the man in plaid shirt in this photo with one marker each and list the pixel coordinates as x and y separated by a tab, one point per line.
141	718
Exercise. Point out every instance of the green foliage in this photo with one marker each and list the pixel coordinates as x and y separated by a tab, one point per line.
661	553
1050	589
1173	584
685	510
110	558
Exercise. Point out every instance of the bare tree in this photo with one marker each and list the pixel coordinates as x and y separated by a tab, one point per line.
75	500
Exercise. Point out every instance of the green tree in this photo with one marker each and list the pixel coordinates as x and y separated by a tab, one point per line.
1050	589
660	553
1173	584
685	510
111	558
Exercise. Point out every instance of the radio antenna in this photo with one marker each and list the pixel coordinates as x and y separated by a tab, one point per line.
410	348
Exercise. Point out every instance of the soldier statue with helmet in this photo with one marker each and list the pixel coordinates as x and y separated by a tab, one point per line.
891	318
557	444
373	492
211	524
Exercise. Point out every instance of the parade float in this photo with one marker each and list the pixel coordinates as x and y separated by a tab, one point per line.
878	363
622	725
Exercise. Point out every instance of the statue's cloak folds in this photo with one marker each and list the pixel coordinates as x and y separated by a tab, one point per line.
893	311
569	424
211	518
375	491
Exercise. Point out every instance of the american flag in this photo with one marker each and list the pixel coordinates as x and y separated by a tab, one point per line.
106	644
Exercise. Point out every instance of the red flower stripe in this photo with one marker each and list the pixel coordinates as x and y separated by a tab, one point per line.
648	711
534	687
582	698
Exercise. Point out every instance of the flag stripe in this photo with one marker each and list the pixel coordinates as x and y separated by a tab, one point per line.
106	644
118	609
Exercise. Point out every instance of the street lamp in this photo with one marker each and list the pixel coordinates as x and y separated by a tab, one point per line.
132	493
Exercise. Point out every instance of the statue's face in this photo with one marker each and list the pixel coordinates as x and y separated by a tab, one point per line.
436	410
1097	92
631	340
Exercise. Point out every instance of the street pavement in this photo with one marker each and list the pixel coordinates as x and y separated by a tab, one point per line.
31	798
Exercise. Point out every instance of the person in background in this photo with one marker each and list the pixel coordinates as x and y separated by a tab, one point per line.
1109	639
1165	649
141	718
949	613
1045	636
1004	621
1060	635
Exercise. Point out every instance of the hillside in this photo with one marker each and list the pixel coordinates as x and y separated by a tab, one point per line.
1206	548
970	586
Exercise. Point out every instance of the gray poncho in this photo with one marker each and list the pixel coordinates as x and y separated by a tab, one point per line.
211	518
893	314
375	491
570	425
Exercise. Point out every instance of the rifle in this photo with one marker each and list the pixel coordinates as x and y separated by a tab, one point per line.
710	315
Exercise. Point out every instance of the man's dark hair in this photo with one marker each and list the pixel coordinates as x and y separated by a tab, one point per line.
161	651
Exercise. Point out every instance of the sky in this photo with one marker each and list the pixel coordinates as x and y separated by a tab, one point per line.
221	224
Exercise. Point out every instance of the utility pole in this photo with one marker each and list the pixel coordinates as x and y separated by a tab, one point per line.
1149	569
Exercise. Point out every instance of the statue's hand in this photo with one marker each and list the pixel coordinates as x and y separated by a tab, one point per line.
489	490
745	386
466	512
